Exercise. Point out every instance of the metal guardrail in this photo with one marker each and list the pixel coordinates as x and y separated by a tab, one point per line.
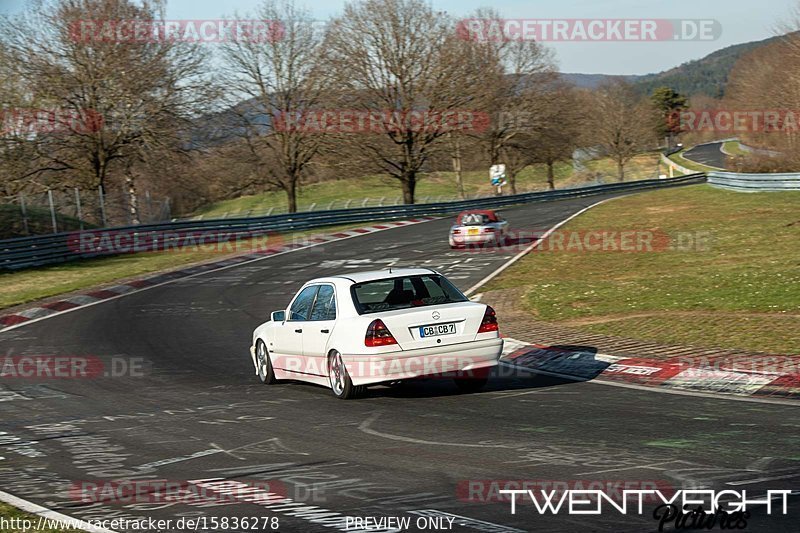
754	182
672	164
25	252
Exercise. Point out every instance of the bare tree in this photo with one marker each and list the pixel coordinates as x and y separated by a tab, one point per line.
517	76
621	123
282	78
766	79
131	97
563	129
393	59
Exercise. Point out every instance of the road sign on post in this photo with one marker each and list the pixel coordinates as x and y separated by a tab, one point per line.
497	175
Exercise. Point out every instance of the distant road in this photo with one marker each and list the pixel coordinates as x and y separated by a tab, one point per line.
708	154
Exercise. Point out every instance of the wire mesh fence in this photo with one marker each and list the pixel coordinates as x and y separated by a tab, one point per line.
348	203
72	209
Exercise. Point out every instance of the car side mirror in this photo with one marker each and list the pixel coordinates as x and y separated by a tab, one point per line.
278	316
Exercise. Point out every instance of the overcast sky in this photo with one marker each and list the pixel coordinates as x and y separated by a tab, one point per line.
740	21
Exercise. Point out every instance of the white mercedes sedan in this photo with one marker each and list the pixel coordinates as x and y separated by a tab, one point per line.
359	329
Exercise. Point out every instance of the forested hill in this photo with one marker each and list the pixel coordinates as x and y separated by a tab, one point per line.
708	75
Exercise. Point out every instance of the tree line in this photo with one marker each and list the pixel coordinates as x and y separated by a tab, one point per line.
387	87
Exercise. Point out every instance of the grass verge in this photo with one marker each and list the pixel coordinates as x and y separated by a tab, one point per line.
438	186
733	148
39	222
35	284
18	518
738	292
688	163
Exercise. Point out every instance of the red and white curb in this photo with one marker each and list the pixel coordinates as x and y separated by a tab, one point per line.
96	296
769	376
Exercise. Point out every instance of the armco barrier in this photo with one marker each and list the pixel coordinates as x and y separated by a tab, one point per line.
27	252
754	182
672	164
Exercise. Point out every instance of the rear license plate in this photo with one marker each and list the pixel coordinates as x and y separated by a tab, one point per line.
437	329
473	231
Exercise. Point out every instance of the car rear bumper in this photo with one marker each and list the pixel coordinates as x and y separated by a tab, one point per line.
472	239
438	361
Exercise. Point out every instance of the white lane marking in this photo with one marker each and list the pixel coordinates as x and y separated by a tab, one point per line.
649	466
46	513
364	428
173	460
533	246
224	267
762	479
525	393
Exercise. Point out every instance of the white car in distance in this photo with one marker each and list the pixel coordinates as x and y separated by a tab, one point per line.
479	227
346	332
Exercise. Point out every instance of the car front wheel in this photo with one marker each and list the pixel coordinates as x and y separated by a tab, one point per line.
341	384
266	374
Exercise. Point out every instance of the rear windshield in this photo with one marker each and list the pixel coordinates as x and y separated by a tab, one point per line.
475	219
403	293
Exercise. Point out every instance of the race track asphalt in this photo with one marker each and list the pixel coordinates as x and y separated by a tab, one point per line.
710	154
192	409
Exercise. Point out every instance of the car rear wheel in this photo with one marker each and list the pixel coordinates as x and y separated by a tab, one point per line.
266	374
341	384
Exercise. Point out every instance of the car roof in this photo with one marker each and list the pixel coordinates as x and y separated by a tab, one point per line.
489	213
478	211
371	275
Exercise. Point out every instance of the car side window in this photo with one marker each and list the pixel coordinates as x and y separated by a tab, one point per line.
325	305
301	307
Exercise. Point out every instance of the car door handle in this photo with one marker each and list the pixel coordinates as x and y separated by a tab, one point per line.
298	331
324	331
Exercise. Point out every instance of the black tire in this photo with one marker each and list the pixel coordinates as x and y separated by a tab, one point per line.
341	384
266	374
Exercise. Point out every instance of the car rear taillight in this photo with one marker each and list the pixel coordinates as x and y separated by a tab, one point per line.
378	334
490	230
456	231
489	322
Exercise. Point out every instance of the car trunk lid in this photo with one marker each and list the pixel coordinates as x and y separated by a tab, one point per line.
434	325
